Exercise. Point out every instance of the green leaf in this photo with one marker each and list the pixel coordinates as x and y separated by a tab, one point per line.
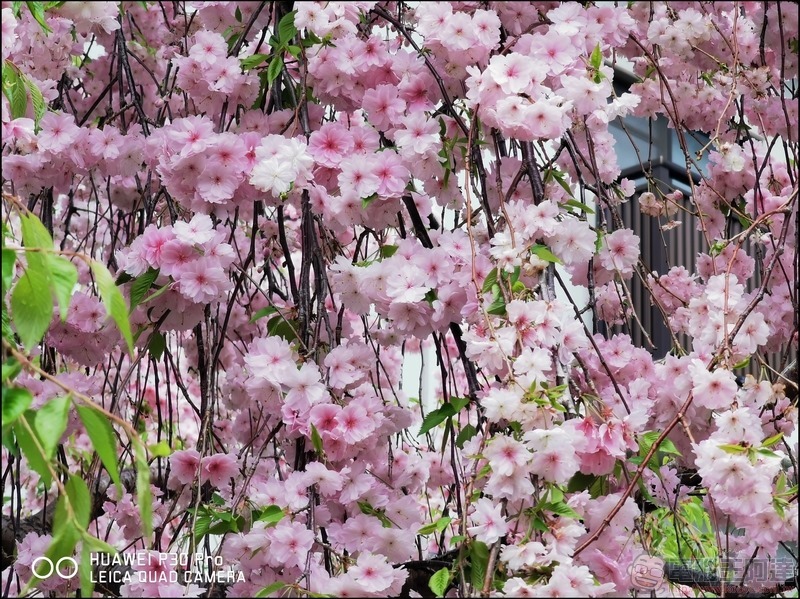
459	403
544	253
37	99
498	306
101	434
365	202
10	370
580	482
479	562
9	259
272	514
286	28
32	307
489	281
113	301
63	278
560	508
37	11
730	448
282	328
439	582
647	439
436	417
157	345
559	178
316	440
767	443
80	500
275	68
65	535
263	312
15	401
141	285
596	59
465	435
388	250
250	62
28	444
5	327
202	526
14	90
160	449
744	363
51	422
144	495
98	546
579	205
437	526
379	513
86	571
270	589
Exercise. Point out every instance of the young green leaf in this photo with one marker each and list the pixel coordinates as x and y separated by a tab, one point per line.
596	59
9	259
316	440
560	508
498	306
437	526
286	28
579	206
37	11
15	401
451	408
160	449
63	278
65	536
51	422
86	571
80	500
250	62
270	589
14	90
272	514
274	69
544	253
263	312
32	306
157	345
772	440
113	301
141	285
439	582
465	435
479	562
436	417
34	233
144	495
279	326
31	447
101	434
37	99
489	281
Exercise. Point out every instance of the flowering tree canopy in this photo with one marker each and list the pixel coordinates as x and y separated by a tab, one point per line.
233	230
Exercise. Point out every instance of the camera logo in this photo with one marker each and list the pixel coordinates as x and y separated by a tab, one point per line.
66	567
